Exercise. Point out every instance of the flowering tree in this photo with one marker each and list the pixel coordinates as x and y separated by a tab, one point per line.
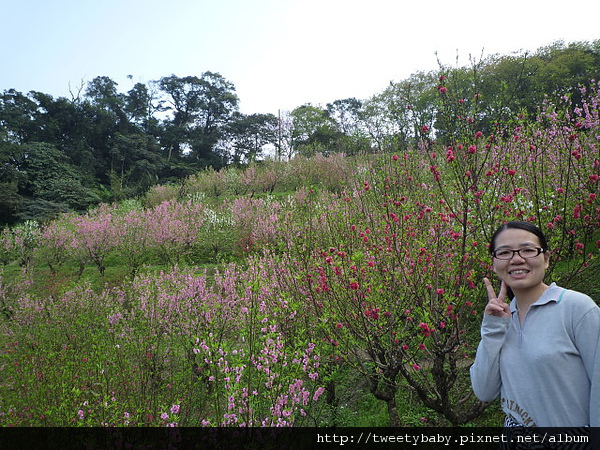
95	235
19	243
392	269
173	228
376	265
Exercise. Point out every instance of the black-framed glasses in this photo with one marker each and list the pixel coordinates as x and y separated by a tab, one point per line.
506	254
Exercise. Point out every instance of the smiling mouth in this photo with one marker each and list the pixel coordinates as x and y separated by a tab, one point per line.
518	272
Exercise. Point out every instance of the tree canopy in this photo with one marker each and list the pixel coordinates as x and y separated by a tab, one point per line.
101	144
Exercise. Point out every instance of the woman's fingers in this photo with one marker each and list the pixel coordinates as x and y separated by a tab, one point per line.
502	293
496	305
490	289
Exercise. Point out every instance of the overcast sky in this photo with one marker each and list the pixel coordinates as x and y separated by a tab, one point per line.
279	54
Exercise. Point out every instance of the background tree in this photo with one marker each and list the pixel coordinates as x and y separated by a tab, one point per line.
141	105
51	184
313	131
347	115
117	144
247	135
200	108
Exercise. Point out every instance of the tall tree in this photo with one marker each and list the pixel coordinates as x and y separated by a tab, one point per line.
247	135
17	117
347	114
313	131
200	108
140	107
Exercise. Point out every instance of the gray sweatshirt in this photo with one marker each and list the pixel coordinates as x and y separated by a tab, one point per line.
546	372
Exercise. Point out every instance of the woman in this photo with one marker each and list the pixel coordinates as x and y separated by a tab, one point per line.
540	353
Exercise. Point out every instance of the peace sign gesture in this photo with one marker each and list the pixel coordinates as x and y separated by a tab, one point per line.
496	305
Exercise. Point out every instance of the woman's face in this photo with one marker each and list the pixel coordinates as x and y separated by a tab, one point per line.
520	273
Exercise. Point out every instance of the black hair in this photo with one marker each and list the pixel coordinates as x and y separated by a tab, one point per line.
519	225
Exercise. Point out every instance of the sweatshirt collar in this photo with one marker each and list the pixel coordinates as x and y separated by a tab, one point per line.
551	294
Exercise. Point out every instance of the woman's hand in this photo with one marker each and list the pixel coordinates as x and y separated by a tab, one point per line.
496	305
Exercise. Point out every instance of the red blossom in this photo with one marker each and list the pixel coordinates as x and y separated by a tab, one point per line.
425	329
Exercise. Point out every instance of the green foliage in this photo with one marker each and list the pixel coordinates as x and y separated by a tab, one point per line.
355	277
105	145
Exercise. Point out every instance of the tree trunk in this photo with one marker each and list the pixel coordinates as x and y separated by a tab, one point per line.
393	412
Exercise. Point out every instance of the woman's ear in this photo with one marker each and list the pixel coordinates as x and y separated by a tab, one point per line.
494	267
546	259
496	272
